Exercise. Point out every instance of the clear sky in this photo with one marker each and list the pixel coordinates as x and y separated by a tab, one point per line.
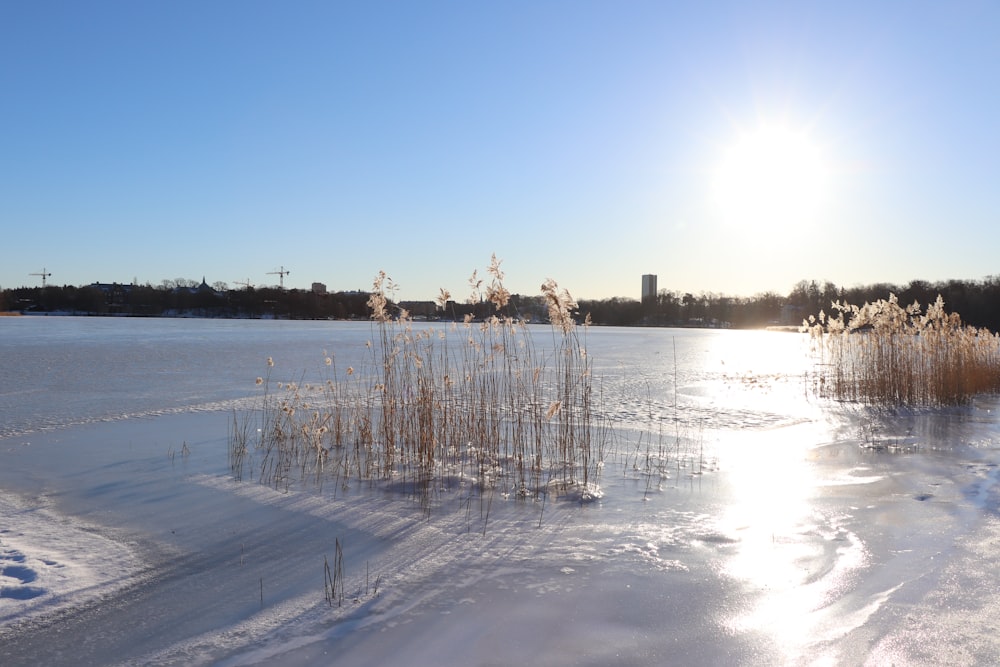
726	147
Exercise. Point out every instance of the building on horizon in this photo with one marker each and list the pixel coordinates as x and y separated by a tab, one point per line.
649	287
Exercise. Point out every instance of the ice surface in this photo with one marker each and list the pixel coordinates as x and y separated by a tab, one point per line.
792	531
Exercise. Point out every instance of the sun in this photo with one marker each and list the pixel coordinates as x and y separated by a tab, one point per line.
772	178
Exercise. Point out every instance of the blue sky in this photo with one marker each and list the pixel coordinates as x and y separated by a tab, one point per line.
580	141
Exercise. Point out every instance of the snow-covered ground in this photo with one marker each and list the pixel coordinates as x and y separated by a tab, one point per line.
48	561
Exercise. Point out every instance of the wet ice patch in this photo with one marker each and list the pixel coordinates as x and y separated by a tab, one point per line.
802	576
984	491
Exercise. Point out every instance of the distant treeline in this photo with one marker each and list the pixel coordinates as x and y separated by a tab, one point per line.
203	301
978	302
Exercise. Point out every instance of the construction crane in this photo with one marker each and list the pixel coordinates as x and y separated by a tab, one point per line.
281	273
44	274
246	284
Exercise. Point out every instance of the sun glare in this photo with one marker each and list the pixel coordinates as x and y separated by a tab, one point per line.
771	178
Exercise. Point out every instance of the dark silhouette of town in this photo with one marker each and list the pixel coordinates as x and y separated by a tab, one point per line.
978	302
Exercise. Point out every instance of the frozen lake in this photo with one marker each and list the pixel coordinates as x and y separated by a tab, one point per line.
791	530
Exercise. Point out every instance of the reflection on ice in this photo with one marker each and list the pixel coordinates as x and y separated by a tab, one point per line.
797	561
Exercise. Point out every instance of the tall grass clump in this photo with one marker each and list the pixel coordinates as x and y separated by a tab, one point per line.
476	403
887	355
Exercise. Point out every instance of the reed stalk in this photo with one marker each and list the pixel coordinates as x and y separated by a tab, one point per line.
887	355
476	401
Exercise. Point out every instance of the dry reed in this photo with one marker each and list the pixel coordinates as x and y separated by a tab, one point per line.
884	354
477	404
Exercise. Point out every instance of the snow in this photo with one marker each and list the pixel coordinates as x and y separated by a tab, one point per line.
48	561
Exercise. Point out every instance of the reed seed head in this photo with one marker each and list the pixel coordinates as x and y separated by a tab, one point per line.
443	298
